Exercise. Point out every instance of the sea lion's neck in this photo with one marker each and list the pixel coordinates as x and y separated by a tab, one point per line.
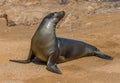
48	27
46	30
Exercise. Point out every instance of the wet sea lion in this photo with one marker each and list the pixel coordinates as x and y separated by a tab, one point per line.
51	49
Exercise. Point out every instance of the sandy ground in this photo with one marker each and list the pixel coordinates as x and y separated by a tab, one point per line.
101	30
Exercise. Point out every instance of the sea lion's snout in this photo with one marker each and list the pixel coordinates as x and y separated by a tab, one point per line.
62	13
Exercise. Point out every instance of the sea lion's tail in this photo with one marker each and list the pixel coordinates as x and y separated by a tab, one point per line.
104	56
20	61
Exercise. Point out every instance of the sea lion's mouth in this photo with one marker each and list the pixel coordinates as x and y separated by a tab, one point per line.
62	14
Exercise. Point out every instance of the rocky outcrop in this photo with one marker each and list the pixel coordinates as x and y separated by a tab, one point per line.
30	12
26	12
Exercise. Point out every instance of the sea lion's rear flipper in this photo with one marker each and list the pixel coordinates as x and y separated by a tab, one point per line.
21	61
30	58
52	66
104	56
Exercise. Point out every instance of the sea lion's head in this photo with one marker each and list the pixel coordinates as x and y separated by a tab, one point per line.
55	17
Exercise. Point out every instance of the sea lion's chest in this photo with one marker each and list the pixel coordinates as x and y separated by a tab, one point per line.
43	48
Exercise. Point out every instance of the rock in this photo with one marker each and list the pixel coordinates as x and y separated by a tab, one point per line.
31	12
2	2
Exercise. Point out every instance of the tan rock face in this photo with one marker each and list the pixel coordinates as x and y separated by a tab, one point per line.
2	2
26	12
31	12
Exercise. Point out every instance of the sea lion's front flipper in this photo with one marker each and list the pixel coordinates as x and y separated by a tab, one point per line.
29	59
21	61
52	66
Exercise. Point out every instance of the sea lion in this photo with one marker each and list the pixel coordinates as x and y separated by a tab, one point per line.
51	49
